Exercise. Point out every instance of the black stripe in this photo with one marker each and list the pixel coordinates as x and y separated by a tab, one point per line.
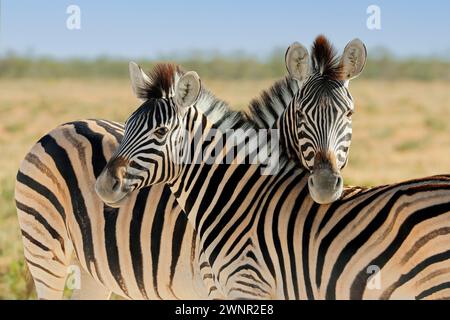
156	234
112	251
44	269
43	191
98	160
135	239
430	291
252	285
66	170
34	241
177	241
36	215
306	236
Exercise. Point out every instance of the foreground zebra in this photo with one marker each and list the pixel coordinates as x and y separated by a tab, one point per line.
263	236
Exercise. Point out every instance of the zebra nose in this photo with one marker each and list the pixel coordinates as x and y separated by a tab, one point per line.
115	183
339	182
109	186
325	186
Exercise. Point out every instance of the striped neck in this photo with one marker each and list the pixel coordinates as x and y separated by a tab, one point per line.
215	153
287	124
226	200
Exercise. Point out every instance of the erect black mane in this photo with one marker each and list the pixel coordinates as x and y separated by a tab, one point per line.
265	110
162	80
324	59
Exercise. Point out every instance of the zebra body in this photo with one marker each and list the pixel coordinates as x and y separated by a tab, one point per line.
143	250
264	236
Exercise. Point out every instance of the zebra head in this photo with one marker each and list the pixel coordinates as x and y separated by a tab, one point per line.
323	111
153	133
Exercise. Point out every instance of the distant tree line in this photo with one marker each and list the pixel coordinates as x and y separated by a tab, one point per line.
237	66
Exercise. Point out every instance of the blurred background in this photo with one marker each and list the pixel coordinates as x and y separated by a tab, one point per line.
60	63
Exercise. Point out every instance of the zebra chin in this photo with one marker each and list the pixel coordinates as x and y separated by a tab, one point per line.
325	186
118	203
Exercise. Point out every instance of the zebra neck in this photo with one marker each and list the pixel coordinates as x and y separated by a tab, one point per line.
287	126
222	163
236	202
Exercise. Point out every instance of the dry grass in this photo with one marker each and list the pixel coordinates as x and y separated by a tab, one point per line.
400	132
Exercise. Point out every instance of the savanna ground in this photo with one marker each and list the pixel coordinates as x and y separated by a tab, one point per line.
401	130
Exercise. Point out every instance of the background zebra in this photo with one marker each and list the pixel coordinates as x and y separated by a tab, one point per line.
263	235
315	124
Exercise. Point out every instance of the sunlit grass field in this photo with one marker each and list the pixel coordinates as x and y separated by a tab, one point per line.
401	130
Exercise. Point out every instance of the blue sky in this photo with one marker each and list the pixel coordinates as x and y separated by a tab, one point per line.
155	27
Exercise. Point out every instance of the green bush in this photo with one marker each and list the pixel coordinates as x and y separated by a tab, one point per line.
235	66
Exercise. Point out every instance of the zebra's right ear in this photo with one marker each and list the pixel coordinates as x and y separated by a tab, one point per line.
140	82
297	61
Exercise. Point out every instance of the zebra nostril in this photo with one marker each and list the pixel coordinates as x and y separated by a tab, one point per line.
311	181
338	182
116	184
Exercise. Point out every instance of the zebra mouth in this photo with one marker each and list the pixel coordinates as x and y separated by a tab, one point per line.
118	203
325	186
327	198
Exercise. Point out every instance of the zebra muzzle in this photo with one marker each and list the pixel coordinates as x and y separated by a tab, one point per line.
110	187
325	185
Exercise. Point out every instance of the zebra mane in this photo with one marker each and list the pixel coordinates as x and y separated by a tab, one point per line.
220	113
161	83
324	59
265	110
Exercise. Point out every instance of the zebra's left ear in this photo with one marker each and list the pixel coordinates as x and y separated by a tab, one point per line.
187	89
353	59
297	61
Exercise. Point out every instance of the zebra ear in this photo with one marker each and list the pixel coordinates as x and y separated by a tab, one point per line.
353	59
188	89
140	82
297	61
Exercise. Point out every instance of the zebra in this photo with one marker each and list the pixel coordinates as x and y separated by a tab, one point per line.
143	250
263	235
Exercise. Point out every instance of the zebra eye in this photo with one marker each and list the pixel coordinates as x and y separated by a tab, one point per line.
349	113
160	132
